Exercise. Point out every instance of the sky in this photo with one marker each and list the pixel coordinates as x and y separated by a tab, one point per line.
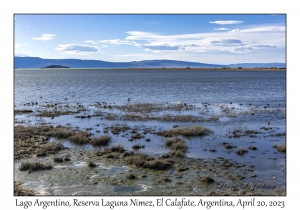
206	38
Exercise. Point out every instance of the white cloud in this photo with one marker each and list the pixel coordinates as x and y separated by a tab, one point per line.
45	37
117	41
91	41
249	48
234	30
75	49
255	39
226	22
242	49
221	29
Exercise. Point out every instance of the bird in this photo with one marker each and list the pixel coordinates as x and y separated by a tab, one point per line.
179	102
128	99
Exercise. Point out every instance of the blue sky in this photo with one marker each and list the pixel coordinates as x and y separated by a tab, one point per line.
218	39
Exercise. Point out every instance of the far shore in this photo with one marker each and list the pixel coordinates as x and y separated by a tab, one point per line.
187	69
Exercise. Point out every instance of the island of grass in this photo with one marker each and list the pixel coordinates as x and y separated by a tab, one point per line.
56	66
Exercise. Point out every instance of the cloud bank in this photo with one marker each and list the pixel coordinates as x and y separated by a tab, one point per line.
75	49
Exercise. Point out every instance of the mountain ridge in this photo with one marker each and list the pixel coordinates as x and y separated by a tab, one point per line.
36	62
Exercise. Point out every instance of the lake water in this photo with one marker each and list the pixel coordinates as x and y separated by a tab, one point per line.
241	100
153	86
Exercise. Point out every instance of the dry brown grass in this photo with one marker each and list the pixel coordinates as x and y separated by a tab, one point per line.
141	107
117	148
19	191
55	113
188	131
34	166
178	147
146	161
80	137
101	141
24	111
27	145
91	164
228	146
144	108
251	132
177	118
241	151
206	179
58	159
281	148
137	146
160	164
50	148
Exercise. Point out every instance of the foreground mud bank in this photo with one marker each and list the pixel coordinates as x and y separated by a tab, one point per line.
161	149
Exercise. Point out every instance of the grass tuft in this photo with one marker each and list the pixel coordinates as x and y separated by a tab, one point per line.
34	166
281	148
188	131
241	151
178	147
101	141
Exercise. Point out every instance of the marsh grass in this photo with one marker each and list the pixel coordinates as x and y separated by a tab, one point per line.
80	137
251	132
178	147
117	148
101	141
141	107
146	161
19	191
50	148
130	176
163	118
241	151
56	113
29	142
137	146
58	159
34	166
228	146
281	147
24	111
188	131
144	108
91	164
206	179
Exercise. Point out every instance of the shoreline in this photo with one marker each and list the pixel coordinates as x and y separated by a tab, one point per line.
181	69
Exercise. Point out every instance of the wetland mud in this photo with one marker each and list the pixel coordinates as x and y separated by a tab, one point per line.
156	153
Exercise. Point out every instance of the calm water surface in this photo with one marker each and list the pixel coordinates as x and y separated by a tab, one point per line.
154	86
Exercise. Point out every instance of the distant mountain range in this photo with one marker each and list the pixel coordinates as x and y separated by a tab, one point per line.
35	62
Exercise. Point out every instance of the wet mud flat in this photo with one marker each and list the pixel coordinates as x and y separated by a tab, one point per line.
149	149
